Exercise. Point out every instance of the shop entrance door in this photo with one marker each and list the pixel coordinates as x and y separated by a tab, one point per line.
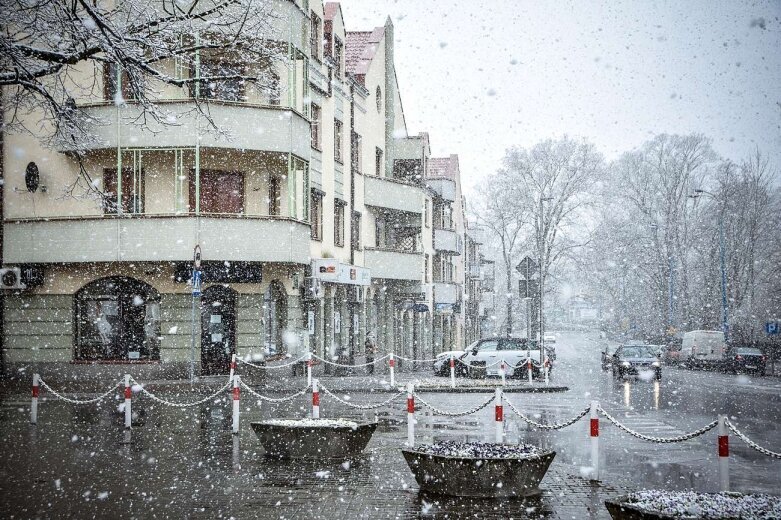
218	329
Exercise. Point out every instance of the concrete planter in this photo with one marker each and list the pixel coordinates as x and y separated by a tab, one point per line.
479	476
308	440
688	505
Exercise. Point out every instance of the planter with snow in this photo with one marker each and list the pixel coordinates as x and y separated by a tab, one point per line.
313	438
679	505
477	469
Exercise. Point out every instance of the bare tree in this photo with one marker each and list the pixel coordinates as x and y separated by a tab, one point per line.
53	52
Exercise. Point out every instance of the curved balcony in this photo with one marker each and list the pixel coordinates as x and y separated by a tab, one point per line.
156	238
446	293
394	265
246	126
447	241
381	192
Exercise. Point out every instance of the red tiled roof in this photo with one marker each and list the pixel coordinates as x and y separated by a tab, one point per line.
330	9
360	49
443	167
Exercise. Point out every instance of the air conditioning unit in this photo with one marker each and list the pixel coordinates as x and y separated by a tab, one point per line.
312	289
11	279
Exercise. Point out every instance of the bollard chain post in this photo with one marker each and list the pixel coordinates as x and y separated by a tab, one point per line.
309	368
392	365
499	416
34	402
529	369
236	402
723	454
502	372
594	434
411	415
315	400
452	371
128	398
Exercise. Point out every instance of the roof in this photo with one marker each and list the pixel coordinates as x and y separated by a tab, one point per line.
444	167
330	9
360	49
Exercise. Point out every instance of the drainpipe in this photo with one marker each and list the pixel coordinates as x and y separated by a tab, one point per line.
351	208
2	220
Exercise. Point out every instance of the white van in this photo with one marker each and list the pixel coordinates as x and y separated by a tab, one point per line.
702	348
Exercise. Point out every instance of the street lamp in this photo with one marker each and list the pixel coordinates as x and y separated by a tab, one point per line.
724	309
542	281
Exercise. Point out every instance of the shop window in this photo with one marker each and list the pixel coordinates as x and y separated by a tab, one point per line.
117	319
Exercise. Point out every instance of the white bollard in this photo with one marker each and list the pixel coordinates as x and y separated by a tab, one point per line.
34	402
499	416
529	369
309	369
502	371
392	365
594	433
315	400
545	368
723	454
410	415
452	371
128	398
236	403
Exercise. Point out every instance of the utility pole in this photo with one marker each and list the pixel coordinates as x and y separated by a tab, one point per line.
542	279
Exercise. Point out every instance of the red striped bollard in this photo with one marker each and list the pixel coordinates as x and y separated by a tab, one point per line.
499	415
452	371
529	369
232	367
410	415
547	370
723	454
502	371
308	368
34	402
315	400
392	366
594	434
236	407
128	399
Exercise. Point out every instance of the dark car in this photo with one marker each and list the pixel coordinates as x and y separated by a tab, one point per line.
744	359
636	360
672	354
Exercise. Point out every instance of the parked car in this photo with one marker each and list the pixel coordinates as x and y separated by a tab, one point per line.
442	363
703	348
672	354
484	357
744	359
636	360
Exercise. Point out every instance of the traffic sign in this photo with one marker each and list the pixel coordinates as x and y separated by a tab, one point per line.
197	256
197	280
528	268
527	288
772	327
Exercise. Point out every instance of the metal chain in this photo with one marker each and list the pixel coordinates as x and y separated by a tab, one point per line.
418	360
275	399
350	366
79	401
437	411
661	440
751	443
272	367
181	405
541	426
361	406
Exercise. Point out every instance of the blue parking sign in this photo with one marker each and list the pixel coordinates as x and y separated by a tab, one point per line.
197	277
771	327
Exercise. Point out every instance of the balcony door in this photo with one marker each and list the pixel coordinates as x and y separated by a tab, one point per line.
220	191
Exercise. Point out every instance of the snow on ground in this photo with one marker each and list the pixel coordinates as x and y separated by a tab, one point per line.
689	504
307	423
479	450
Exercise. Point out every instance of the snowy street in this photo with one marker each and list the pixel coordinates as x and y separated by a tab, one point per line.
187	463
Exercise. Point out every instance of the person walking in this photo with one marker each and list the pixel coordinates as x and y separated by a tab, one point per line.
371	349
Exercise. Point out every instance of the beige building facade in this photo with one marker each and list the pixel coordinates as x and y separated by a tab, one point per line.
318	219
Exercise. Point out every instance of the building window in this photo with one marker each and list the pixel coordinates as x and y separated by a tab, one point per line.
355	230
316	210
132	191
425	212
220	191
338	141
315	126
274	197
378	99
338	46
378	163
117	319
339	222
110	73
314	37
426	261
230	88
357	153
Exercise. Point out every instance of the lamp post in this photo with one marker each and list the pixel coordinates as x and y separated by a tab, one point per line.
723	265
541	248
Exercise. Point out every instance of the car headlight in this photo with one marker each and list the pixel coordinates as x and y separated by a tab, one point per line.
656	364
626	364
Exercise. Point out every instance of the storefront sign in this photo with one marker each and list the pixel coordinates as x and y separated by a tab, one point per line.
222	272
333	271
310	322
338	322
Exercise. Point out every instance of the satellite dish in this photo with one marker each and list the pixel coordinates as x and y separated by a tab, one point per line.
32	177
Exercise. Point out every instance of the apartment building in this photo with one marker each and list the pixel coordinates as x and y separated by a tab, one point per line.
316	216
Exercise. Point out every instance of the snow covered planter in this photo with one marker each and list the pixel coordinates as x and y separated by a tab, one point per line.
313	438
658	505
476	469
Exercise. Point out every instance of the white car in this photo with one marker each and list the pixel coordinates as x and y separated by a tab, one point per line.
442	363
490	352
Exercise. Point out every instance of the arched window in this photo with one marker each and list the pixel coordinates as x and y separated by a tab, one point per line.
117	319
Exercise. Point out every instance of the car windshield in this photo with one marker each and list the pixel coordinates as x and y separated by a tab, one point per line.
749	351
637	352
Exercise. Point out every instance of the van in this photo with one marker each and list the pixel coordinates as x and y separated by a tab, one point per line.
703	348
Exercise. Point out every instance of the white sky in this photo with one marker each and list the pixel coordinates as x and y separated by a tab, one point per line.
483	76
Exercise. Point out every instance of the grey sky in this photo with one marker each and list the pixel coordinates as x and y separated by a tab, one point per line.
482	76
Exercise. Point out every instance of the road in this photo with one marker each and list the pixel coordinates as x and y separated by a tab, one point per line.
682	402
